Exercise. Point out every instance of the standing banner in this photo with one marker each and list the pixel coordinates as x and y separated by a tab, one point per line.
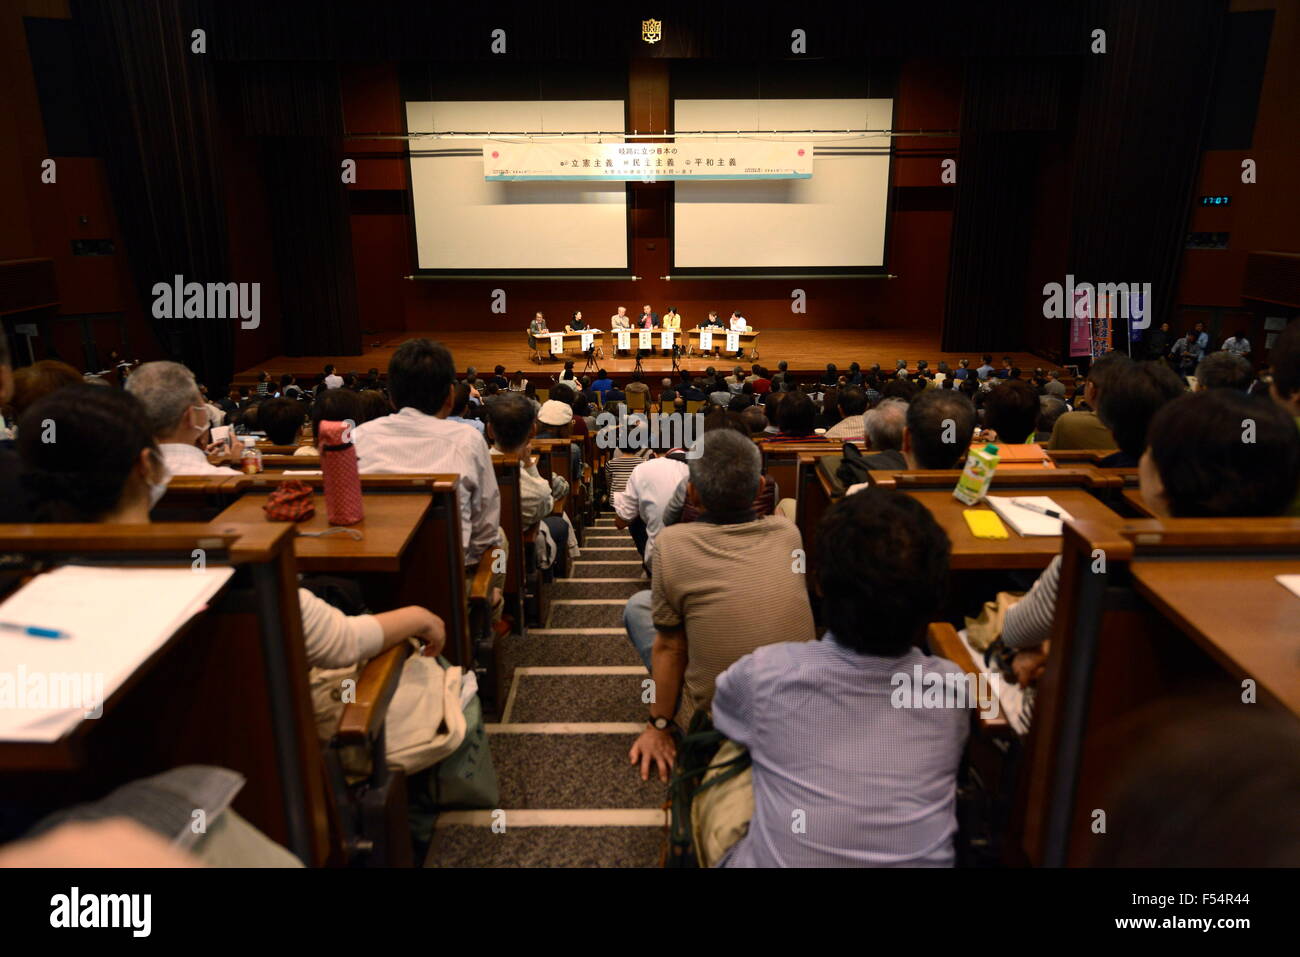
733	341
645	340
666	339
706	340
689	159
557	343
586	339
624	339
1081	324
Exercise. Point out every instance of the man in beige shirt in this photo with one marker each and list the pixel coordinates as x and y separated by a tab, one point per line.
703	612
853	406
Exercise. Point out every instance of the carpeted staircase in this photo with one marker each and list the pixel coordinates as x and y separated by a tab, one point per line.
570	797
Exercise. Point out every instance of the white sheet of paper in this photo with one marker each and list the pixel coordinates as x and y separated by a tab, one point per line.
1026	521
624	339
1291	582
115	619
733	342
645	339
706	341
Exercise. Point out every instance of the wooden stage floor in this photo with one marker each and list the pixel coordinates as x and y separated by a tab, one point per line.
806	350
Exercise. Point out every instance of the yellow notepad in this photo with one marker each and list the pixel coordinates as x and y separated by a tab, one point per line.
985	524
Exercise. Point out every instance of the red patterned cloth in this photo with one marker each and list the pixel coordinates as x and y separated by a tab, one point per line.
338	462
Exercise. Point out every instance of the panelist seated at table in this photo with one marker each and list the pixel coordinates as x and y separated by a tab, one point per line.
738	323
1195	466
577	324
538	326
620	320
672	320
712	321
106	468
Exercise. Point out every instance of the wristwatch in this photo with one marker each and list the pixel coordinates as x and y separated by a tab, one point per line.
661	724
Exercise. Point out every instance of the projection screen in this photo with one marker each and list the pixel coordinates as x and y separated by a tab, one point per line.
465	224
834	220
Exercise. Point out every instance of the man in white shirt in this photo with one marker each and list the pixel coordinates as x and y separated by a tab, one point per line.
642	506
418	439
738	322
620	320
177	416
332	379
1237	345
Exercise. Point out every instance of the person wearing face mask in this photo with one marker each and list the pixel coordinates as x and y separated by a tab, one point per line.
104	466
176	415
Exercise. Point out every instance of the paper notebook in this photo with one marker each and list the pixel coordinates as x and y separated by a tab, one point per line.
1026	521
114	618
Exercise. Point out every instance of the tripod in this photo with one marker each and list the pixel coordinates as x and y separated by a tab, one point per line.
591	359
638	368
676	365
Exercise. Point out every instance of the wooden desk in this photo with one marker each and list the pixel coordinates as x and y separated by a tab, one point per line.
969	552
387	532
1237	612
747	340
1132	497
229	688
656	340
411	552
571	342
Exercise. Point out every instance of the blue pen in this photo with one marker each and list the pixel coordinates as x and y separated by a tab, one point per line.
33	631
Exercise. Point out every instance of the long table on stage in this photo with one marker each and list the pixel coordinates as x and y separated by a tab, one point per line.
747	340
570	343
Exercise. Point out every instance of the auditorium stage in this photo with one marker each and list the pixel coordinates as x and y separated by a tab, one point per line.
806	350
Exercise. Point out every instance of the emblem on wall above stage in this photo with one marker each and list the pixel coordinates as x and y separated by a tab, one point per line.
652	30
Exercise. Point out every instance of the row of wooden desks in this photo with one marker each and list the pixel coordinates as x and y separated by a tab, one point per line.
1147	610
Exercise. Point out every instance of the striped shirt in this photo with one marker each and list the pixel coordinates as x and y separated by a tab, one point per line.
842	777
1028	623
619	468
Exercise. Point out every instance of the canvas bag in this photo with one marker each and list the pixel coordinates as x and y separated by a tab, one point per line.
425	722
723	806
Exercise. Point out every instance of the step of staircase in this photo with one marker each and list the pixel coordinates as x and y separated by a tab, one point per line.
586	693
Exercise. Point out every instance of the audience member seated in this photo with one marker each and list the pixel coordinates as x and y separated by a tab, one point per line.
643	504
795	416
510	428
176	417
1131	400
107	468
1195	465
1082	429
417	439
1011	413
460	408
1050	408
1223	370
937	432
699	617
883	429
821	719
34	382
281	420
336	405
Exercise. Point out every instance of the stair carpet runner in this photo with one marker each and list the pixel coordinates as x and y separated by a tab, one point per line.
569	796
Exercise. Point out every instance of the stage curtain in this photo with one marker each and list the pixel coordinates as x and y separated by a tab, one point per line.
295	112
1008	107
1141	120
154	109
